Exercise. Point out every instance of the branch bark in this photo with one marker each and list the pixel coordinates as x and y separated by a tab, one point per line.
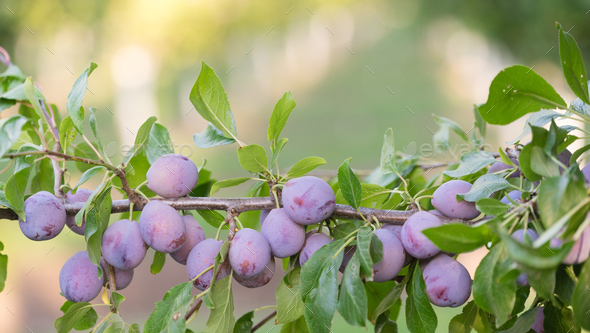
264	321
240	205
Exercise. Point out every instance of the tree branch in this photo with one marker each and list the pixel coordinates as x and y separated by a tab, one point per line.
194	307
61	155
264	321
240	205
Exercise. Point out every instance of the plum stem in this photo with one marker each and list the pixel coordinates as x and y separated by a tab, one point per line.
264	321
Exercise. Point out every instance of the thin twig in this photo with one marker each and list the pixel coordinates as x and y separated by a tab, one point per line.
194	307
62	155
264	321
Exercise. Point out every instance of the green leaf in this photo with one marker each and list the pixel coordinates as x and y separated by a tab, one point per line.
176	300
377	292
524	322
542	164
67	132
135	328
228	183
158	263
244	324
212	217
143	134
480	124
75	97
210	100
484	187
350	186
159	143
97	221
463	322
297	326
445	122
490	206
321	302
87	175
289	303
311	271
44	179
373	196
33	98
10	130
537	119
304	166
493	291
363	251
559	319
279	116
391	298
75	313
581	298
458	237
352	304
276	151
16	187
253	158
572	64
388	153
3	267
471	163
385	325
420	316
86	322
211	137
94	128
117	324
117	299
221	318
343	229
516	91
558	195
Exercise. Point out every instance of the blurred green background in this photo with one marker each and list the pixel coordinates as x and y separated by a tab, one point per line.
354	67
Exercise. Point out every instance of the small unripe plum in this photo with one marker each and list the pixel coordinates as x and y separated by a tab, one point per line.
260	280
122	277
284	236
45	216
499	166
263	215
586	172
194	235
444	199
514	195
393	259
522	279
414	241
348	253
448	283
538	324
249	253
564	157
308	200
579	252
172	176
202	256
82	194
78	279
162	228
122	245
312	243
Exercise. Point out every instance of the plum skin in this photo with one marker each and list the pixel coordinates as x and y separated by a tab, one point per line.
538	325
394	257
514	195
162	228
172	176
260	280
82	195
444	199
78	279
499	166
579	252
312	243
202	256
45	217
522	279
448	283
412	238
249	253
308	200
284	236
397	232
194	235
123	278
122	245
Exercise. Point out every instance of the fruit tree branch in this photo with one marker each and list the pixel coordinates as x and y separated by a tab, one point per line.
264	321
240	205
